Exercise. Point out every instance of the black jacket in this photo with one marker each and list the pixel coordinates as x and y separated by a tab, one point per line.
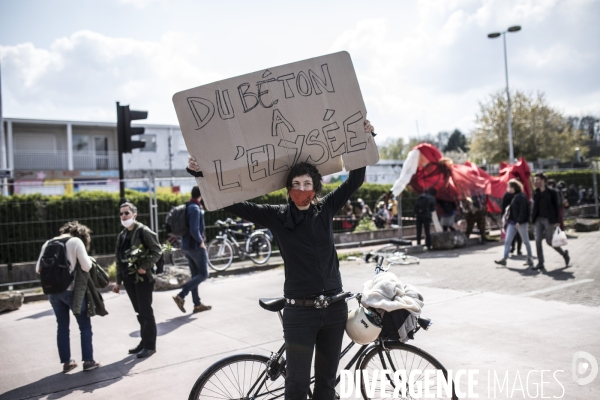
519	209
305	238
506	200
550	197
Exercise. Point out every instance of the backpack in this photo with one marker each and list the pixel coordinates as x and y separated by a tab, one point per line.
160	264
54	267
422	207
176	221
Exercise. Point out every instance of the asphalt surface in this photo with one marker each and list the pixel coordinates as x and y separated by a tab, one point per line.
503	321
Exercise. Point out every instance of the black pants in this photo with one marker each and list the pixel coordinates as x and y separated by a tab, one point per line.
307	329
140	295
424	223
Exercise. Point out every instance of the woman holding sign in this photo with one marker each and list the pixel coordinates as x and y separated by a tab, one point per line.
304	230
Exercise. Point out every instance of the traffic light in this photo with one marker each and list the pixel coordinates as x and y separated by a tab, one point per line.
126	131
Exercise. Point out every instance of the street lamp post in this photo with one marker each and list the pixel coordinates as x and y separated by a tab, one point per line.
494	35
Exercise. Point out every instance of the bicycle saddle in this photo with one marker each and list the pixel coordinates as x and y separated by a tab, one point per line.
274	304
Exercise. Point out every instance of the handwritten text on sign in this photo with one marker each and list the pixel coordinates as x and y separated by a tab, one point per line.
245	132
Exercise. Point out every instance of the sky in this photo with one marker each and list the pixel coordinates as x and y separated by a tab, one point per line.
423	66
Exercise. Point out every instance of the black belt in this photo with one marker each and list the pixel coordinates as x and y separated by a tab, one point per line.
320	302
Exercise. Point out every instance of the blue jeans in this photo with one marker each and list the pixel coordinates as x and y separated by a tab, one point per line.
198	263
511	231
62	303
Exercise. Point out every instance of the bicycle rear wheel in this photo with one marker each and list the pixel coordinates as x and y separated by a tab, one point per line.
242	376
220	254
402	357
258	248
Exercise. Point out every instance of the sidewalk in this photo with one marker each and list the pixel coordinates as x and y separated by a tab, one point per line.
485	317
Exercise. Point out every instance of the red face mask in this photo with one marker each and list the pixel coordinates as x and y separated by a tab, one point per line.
302	198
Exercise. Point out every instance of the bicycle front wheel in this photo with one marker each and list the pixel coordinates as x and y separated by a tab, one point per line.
243	376
406	358
258	248
220	254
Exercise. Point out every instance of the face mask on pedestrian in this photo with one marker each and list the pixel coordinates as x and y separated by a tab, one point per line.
302	198
127	222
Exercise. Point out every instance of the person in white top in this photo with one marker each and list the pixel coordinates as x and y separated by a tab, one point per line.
77	246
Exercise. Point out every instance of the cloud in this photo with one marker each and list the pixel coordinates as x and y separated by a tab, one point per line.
80	77
436	68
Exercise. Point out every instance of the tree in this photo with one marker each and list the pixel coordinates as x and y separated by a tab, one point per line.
589	125
393	149
457	142
539	131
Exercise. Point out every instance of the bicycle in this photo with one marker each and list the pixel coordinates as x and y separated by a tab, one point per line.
254	376
224	246
394	253
176	256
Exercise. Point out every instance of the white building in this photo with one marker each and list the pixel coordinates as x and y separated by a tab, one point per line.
43	154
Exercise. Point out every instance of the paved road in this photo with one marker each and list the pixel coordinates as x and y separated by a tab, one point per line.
502	320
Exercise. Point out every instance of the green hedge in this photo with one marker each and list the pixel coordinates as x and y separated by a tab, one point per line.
584	178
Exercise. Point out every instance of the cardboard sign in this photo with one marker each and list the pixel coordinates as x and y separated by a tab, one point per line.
247	132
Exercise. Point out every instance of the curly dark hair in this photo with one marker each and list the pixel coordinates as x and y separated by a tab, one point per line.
306	169
77	230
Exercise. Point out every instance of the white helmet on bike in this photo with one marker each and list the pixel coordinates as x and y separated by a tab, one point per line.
362	326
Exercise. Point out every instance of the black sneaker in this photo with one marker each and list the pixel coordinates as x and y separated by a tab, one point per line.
137	349
538	267
145	353
90	365
500	262
567	258
68	366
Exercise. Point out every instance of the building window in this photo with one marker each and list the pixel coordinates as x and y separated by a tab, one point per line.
81	143
150	140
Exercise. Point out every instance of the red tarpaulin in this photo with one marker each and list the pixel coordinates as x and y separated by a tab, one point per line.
456	182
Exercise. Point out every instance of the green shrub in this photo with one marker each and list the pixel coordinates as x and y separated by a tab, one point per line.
365	225
584	178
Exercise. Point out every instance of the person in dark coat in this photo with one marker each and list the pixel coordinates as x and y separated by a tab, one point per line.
518	221
424	207
139	278
304	230
506	200
545	218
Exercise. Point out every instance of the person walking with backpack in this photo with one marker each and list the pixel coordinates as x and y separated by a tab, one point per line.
194	249
138	278
545	218
423	208
518	221
60	260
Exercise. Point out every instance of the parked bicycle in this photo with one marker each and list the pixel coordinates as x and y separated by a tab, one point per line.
394	253
176	256
254	376
255	244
